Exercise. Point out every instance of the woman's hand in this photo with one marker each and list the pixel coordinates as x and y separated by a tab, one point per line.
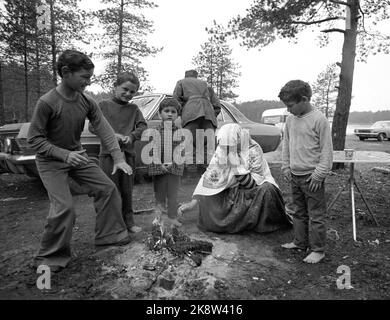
187	207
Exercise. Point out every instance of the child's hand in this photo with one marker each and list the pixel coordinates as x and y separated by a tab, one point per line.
124	167
76	159
287	175
119	137
127	140
314	184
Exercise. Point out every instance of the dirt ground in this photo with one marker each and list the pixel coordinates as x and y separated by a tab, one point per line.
242	266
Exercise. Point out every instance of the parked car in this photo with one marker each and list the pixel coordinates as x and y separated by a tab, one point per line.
379	130
17	157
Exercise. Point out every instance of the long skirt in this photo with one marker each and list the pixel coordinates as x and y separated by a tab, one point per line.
260	209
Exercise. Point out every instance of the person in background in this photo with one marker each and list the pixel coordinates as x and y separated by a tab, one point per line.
200	108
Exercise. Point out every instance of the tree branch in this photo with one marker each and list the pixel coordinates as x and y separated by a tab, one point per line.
317	21
340	2
333	30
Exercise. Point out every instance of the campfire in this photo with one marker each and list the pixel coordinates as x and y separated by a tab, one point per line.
173	239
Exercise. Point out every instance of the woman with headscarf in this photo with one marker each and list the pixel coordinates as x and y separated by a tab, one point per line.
237	192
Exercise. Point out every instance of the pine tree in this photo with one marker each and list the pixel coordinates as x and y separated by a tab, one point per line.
325	90
215	65
267	20
123	44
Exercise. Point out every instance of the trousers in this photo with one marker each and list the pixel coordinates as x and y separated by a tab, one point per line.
166	187
124	184
310	211
109	226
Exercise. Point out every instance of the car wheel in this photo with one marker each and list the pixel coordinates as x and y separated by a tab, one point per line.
362	138
381	137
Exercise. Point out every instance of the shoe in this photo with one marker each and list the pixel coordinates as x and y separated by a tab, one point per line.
122	242
135	229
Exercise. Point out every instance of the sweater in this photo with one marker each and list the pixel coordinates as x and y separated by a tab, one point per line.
126	119
307	145
58	122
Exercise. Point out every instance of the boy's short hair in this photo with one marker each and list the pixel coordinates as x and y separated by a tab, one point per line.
74	60
127	76
294	90
191	74
169	102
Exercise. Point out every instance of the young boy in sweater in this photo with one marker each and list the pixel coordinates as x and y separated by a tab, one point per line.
54	133
128	123
307	158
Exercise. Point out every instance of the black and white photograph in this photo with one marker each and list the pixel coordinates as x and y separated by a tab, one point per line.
193	156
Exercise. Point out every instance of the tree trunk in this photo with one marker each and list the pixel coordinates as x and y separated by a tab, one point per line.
2	111
37	57
327	98
53	43
120	49
343	103
25	62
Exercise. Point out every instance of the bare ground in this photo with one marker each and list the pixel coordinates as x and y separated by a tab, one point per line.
242	266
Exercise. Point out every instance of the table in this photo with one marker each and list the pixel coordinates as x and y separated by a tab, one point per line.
359	157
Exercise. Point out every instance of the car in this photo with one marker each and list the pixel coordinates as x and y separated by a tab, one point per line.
380	130
17	157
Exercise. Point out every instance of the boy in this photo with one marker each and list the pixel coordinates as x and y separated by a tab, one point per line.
166	175
307	158
54	133
128	123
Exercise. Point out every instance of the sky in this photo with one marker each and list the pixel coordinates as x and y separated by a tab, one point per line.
180	29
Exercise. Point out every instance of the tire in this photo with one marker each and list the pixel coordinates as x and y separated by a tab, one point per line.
381	137
362	138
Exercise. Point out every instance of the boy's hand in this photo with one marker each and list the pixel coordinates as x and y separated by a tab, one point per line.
127	140
76	159
119	137
124	167
314	184
287	175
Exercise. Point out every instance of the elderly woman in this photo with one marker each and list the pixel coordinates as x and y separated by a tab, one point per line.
237	192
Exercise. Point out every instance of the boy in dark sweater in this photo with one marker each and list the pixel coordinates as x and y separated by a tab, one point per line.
54	133
128	123
166	171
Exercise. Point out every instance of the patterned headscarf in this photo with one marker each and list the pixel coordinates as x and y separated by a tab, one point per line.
245	156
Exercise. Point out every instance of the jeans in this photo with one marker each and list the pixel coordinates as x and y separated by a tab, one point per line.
310	211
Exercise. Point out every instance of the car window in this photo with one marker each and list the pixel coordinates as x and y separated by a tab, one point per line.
226	117
238	116
145	104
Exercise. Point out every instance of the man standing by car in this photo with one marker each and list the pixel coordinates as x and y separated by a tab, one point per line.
200	104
